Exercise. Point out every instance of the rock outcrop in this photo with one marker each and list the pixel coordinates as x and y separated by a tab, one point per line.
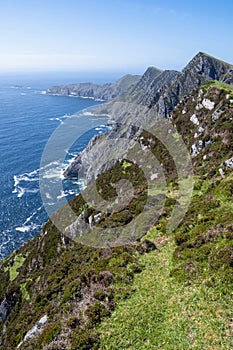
153	97
104	92
77	286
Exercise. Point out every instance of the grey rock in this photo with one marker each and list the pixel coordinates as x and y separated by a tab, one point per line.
229	163
151	99
4	310
104	92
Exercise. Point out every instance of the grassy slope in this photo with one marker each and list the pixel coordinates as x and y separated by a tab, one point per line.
182	296
166	314
173	308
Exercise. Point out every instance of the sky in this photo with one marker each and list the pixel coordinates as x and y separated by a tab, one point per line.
117	35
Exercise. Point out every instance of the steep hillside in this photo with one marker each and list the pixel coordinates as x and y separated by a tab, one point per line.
183	297
200	69
165	90
104	92
153	98
166	290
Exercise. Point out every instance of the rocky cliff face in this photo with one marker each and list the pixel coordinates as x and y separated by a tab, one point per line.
104	92
154	96
54	292
200	69
165	89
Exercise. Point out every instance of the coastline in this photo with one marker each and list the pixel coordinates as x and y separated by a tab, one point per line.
76	96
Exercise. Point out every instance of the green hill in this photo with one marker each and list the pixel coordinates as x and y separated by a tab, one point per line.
160	288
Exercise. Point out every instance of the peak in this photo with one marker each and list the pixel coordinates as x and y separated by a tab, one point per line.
152	72
200	53
205	56
152	68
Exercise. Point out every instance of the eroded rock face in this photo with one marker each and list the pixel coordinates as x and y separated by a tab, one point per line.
89	275
104	92
153	98
4	310
35	330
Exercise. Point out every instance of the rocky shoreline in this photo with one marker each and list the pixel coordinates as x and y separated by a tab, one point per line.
152	96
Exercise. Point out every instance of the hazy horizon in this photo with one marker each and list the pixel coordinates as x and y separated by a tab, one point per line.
122	36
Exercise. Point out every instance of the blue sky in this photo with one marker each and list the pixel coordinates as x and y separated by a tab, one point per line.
115	35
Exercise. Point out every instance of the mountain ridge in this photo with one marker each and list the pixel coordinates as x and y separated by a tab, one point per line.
172	288
155	95
90	90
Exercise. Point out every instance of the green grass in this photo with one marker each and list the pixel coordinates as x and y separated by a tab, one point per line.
163	313
178	296
13	270
24	291
218	84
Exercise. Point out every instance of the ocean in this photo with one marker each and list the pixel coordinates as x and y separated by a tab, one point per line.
28	117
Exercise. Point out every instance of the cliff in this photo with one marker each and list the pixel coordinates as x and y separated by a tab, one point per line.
172	288
154	96
163	90
104	92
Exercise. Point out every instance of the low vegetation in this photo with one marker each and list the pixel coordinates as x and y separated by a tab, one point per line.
164	291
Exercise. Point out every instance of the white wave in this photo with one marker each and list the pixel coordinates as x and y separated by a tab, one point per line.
36	190
70	161
16	181
23	94
43	92
31	216
72	154
55	173
88	113
6	242
28	178
25	227
86	97
20	180
48	196
20	192
54	162
51	203
59	119
72	192
62	195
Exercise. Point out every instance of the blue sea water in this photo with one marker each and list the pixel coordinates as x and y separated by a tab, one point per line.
28	117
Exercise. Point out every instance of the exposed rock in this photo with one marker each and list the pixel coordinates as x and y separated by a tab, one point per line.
221	172
208	104
153	97
4	310
229	163
75	284
35	330
194	150
216	115
104	92
194	119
